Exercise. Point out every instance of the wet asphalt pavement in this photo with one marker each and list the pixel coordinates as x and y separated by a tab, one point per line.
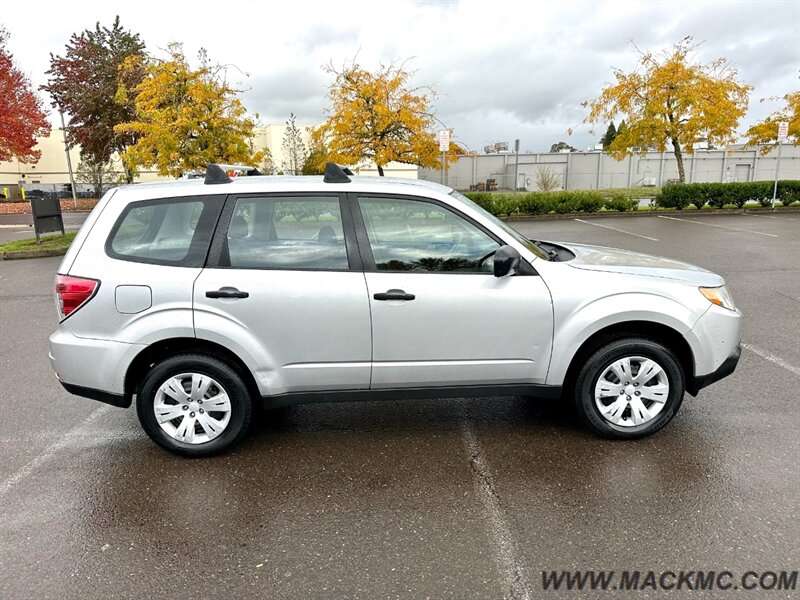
420	499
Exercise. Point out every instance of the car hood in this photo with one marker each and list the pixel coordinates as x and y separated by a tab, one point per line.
614	260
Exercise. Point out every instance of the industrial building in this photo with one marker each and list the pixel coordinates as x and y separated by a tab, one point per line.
595	169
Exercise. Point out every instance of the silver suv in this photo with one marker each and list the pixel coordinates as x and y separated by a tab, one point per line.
198	298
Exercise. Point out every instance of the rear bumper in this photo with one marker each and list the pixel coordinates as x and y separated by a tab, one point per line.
92	368
106	397
725	369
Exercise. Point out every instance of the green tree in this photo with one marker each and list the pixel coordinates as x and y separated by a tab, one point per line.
22	118
187	118
670	99
84	83
609	136
376	116
99	175
561	147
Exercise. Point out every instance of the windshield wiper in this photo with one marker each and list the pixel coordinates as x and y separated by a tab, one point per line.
551	253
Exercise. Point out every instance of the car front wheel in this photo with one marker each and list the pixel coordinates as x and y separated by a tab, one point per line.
629	388
194	405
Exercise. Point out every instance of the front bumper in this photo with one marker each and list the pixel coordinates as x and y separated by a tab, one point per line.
725	369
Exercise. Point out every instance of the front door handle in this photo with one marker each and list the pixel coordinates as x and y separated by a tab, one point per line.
227	292
393	295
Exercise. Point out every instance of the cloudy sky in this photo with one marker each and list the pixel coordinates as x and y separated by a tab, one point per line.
502	70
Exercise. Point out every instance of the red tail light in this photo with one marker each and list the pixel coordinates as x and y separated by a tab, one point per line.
72	293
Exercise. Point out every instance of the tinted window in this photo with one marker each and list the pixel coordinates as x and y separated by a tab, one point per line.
411	235
287	233
174	231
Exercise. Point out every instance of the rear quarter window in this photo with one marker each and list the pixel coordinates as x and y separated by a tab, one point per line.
167	231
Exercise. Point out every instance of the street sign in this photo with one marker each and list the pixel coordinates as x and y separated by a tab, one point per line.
783	131
47	217
444	140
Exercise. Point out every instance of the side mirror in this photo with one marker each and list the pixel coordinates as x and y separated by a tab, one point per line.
506	260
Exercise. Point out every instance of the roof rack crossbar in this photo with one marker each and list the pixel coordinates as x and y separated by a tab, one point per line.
336	174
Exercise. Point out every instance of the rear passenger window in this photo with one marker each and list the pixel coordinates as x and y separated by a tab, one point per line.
170	231
287	233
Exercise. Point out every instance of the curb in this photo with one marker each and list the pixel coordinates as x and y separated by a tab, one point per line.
648	213
32	253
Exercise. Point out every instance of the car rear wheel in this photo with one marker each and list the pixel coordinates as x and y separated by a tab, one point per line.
194	405
629	388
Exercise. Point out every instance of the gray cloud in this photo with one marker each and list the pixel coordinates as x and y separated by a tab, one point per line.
502	69
299	91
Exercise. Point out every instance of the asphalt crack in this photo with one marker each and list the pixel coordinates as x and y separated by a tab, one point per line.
511	568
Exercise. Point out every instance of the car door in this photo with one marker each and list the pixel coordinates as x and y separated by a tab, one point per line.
439	316
284	287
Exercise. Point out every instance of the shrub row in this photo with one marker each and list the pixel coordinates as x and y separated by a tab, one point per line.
677	196
541	203
717	195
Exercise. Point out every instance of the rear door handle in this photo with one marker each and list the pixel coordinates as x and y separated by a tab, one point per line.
393	295
227	292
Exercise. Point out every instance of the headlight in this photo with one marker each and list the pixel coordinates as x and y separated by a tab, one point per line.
719	296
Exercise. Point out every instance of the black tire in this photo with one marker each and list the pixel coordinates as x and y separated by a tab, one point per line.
241	405
596	366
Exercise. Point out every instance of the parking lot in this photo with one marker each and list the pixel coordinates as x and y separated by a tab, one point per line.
459	498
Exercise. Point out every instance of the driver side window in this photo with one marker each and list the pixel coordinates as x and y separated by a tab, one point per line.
413	235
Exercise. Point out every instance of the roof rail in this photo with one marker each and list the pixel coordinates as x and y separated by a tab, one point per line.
336	174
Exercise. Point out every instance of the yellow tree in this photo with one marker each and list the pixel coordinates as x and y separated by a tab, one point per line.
187	118
766	132
376	116
317	153
670	99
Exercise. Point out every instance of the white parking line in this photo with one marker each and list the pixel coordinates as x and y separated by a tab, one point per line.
720	226
772	358
615	229
80	429
515	582
771	217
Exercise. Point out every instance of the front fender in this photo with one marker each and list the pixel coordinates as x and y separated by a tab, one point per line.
573	328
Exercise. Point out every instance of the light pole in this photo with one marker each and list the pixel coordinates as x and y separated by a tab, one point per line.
777	173
69	160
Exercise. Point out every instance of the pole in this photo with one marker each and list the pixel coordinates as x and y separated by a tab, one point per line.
777	172
69	160
516	166
443	163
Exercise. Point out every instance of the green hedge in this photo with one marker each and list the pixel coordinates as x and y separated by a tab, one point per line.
677	196
542	203
717	195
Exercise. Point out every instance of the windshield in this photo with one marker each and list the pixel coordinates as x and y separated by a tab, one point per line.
504	226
